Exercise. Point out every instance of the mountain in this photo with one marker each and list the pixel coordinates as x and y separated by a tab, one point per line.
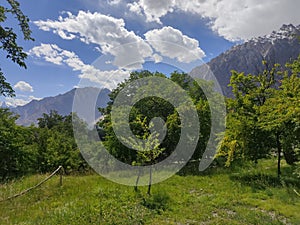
62	103
278	47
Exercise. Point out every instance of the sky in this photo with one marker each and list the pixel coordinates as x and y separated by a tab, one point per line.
99	42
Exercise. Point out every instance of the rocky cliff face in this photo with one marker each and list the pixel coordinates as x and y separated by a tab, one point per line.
62	103
279	47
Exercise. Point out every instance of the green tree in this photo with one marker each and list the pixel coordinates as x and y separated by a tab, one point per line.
280	114
244	137
264	115
56	144
147	108
148	153
8	39
153	107
11	154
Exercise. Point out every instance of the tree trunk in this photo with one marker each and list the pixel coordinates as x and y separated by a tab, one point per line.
150	181
137	181
279	149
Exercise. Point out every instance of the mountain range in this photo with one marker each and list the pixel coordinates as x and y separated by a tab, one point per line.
278	47
62	103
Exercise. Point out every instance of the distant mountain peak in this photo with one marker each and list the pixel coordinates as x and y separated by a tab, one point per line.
62	103
288	32
278	47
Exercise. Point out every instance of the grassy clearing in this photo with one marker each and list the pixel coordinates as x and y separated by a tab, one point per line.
236	196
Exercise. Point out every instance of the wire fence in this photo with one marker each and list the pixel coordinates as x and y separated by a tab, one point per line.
59	169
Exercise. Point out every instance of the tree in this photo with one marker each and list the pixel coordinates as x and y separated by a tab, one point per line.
152	107
264	115
147	108
281	114
148	153
10	146
50	120
244	137
56	144
8	39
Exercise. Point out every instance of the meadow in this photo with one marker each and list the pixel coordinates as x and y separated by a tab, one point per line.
249	194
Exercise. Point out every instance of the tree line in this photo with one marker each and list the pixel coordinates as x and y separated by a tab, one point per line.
38	149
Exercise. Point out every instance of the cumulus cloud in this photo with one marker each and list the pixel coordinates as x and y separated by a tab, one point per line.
172	43
49	52
23	86
129	51
107	79
231	19
152	9
106	31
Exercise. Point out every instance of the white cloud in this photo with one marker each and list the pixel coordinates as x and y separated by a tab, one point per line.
157	58
172	43
152	9
19	100
113	2
129	51
231	19
135	8
107	79
31	97
23	86
49	52
14	102
106	31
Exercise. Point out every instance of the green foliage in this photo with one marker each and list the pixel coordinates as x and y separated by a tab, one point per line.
244	138
10	149
147	154
281	113
43	149
151	107
264	115
5	88
8	40
56	144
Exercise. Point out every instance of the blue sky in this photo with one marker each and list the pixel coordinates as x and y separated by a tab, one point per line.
98	42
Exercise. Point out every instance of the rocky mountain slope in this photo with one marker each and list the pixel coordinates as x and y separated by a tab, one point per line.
279	47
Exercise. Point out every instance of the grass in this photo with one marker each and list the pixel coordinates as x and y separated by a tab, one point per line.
248	195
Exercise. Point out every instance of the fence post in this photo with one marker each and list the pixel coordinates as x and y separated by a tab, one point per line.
61	173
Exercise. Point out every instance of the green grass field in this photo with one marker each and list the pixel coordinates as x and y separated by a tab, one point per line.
249	195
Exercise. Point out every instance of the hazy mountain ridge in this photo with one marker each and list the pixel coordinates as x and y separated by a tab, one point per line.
62	103
278	47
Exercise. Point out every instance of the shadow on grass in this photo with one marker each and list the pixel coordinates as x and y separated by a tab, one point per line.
263	181
192	169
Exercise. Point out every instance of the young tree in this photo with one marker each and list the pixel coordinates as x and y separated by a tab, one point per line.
148	153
